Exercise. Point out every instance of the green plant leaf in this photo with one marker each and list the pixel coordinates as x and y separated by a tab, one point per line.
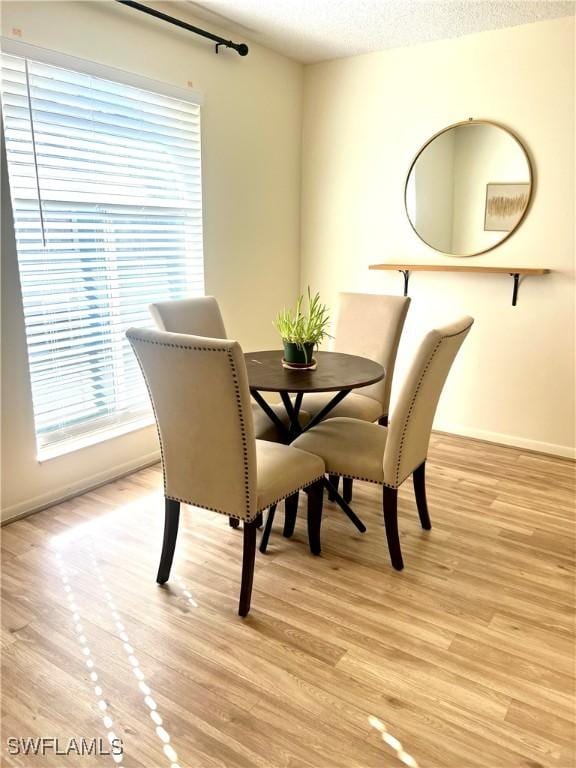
303	328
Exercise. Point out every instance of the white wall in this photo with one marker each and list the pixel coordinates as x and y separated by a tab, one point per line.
364	120
251	175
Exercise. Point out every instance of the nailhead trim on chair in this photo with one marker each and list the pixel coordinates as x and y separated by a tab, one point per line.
245	519
179	346
242	431
212	509
249	518
242	424
406	422
305	485
353	477
367	479
412	404
154	412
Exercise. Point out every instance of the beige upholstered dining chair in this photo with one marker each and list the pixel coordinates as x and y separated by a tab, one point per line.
201	316
387	455
369	325
199	390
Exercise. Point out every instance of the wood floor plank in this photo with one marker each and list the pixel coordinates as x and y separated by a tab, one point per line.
466	657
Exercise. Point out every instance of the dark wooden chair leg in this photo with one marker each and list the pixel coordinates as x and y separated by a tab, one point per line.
419	480
290	512
315	501
390	505
335	481
233	523
248	557
259	520
347	484
171	520
383	421
267	529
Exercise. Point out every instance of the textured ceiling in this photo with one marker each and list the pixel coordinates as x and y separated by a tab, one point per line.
316	30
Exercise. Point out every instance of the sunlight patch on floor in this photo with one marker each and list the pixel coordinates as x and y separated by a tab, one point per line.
88	658
392	742
94	528
185	591
144	688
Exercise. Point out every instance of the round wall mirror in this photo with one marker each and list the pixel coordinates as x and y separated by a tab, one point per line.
468	188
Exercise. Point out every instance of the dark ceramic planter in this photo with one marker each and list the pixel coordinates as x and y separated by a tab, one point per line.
297	355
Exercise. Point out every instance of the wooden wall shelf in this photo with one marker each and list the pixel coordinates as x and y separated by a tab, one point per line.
514	272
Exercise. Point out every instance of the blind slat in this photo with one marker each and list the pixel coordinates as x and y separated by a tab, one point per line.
118	172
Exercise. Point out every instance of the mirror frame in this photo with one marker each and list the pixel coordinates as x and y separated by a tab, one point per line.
471	121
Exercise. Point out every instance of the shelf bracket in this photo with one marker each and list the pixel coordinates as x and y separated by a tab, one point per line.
516	273
406	273
516	277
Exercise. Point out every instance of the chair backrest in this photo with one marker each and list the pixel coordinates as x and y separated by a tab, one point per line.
198	317
199	391
370	325
411	425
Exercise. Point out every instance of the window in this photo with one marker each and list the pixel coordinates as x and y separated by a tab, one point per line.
105	181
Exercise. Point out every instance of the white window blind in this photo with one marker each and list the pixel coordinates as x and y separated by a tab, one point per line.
105	182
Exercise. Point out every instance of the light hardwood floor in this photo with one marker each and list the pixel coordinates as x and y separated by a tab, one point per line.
466	657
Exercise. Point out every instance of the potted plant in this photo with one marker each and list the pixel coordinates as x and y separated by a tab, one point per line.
302	332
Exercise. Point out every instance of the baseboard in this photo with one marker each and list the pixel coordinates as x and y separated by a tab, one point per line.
57	496
534	446
30	506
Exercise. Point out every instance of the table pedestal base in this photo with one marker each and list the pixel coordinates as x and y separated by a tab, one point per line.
295	429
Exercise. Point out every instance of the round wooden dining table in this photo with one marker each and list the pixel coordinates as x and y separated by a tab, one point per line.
335	372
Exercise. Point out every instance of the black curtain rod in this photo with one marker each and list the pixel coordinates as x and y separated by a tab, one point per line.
240	48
